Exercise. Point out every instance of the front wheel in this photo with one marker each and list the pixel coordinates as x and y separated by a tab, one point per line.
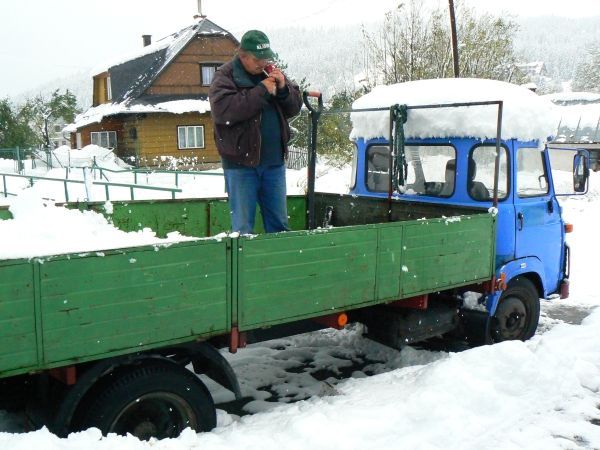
156	399
517	314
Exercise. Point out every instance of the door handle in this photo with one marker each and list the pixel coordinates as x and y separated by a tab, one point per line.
521	219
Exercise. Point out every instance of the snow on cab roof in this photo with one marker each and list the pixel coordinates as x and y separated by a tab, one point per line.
526	115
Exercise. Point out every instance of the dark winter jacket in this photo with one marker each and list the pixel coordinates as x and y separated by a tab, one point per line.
236	104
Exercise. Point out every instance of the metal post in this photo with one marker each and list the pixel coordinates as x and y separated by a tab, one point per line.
577	130
4	183
391	164
497	164
454	39
312	156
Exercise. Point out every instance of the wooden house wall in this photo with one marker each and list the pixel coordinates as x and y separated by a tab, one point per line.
182	76
156	135
109	124
100	94
150	136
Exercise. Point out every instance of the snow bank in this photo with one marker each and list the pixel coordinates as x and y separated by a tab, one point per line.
85	157
541	394
526	115
40	228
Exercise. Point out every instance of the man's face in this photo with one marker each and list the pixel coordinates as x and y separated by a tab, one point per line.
252	64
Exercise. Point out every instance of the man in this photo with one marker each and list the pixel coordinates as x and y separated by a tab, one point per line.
250	109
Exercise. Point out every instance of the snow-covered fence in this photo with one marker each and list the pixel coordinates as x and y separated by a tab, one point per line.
66	182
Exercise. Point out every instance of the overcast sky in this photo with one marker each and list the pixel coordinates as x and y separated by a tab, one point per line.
42	40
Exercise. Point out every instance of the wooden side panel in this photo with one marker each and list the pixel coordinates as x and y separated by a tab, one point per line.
442	253
141	299
389	257
296	275
190	218
18	346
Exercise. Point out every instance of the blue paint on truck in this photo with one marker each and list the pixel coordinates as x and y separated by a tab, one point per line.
530	238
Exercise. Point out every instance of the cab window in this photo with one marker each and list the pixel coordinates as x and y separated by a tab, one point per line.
430	170
480	177
378	168
532	180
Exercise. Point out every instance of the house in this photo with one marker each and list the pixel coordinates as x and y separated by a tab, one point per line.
533	70
55	133
155	105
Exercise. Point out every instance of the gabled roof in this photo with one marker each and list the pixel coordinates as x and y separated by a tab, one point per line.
131	78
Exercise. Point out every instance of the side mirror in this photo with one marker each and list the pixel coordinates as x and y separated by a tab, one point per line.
581	171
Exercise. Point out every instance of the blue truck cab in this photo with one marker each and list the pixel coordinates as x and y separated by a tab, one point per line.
532	256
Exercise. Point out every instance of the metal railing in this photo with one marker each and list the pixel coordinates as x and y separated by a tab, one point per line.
106	185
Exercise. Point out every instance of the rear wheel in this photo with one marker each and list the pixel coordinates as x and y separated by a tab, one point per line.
517	314
157	399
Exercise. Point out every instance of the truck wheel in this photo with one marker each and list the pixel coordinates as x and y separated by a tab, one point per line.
517	314
157	399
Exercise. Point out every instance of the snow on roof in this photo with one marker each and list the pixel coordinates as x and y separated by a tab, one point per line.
579	115
526	116
565	98
172	42
97	113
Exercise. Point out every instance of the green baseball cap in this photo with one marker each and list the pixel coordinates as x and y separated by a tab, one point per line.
257	43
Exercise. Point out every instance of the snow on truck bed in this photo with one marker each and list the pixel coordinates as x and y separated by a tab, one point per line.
526	116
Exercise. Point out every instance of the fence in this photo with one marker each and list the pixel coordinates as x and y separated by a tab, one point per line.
297	158
66	183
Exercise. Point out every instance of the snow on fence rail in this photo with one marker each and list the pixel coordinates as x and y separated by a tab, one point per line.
106	185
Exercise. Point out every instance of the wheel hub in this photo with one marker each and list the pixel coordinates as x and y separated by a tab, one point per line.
510	320
158	414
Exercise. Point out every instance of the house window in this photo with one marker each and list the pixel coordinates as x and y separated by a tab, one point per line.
106	139
191	136
207	72
108	89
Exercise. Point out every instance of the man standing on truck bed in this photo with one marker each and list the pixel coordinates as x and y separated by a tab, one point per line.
251	101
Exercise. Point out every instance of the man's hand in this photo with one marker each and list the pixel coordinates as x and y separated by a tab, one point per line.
277	74
270	84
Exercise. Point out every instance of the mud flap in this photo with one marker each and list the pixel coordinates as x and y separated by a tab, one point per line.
475	327
398	328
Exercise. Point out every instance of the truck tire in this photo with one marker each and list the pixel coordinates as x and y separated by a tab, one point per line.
517	314
156	399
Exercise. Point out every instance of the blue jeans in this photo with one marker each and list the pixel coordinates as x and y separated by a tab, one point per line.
247	186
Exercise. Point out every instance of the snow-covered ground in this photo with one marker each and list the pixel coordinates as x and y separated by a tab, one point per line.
333	389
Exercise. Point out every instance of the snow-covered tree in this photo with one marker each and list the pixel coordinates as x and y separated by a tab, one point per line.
587	76
42	112
415	44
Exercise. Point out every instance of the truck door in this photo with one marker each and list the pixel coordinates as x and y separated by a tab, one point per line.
539	227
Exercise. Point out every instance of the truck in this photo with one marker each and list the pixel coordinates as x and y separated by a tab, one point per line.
116	339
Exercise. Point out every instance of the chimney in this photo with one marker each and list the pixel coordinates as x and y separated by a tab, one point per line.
147	39
199	15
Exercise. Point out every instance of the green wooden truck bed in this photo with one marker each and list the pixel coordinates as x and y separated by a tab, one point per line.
66	309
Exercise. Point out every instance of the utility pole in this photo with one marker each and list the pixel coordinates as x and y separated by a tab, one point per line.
454	39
